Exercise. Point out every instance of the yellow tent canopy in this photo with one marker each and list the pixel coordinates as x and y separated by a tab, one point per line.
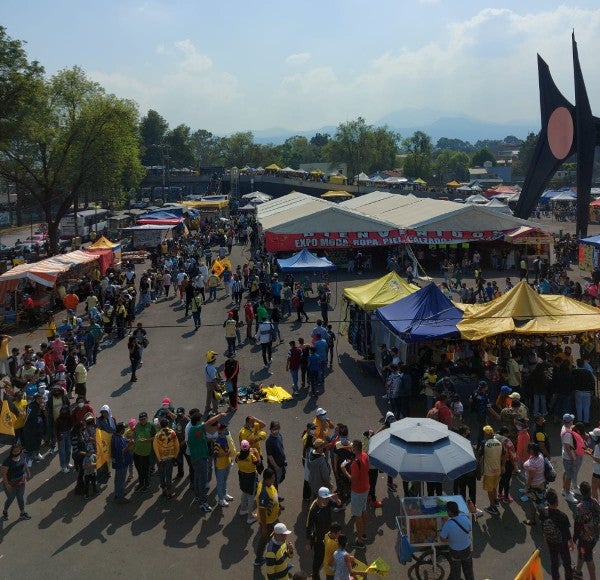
317	172
380	292
523	311
200	204
337	179
453	184
334	194
103	243
273	167
420	181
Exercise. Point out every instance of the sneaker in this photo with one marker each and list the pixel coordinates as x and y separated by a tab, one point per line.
392	487
25	516
228	497
251	520
259	562
492	509
478	513
497	503
507	498
375	504
570	498
5	515
205	507
65	470
223	503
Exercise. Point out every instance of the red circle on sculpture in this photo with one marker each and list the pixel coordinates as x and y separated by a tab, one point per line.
560	132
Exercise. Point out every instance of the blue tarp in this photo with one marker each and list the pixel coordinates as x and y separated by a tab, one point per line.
550	193
592	241
423	315
304	261
159	215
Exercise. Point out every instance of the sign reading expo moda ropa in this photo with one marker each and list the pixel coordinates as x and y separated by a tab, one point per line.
276	242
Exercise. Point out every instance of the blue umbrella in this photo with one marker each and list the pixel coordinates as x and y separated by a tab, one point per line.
421	449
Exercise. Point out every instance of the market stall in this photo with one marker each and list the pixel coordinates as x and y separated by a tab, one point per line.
589	253
362	301
425	315
148	236
108	252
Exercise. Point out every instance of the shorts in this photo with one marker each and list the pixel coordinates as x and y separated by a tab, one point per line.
569	467
586	549
490	482
358	503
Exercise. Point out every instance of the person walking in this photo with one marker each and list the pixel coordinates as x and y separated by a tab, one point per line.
292	364
535	485
135	357
456	531
265	337
299	304
121	460
15	473
268	509
586	531
230	326
196	307
275	451
319	471
491	456
231	371
359	486
278	554
556	529
224	452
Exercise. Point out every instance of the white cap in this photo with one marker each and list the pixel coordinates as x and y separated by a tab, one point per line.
324	493
390	415
321	411
281	529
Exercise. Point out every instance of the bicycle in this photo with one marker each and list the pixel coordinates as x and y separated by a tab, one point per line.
428	566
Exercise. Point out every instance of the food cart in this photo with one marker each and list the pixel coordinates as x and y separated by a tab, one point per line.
421	519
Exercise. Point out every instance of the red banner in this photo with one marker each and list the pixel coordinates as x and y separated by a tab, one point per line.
284	242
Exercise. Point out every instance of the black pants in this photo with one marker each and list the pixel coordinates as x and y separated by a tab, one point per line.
373	475
461	559
558	552
504	485
303	371
142	466
466	481
318	555
266	352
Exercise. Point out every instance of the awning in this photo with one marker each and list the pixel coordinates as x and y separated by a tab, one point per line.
378	293
528	235
104	244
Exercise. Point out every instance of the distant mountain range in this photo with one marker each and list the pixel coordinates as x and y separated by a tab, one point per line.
436	124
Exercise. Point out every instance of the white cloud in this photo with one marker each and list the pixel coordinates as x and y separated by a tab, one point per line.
193	61
299	58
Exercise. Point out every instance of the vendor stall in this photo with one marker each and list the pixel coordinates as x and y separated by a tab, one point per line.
148	236
362	301
108	252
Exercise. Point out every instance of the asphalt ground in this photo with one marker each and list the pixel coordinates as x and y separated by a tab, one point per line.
157	538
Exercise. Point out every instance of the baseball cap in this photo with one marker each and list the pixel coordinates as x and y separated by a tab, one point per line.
245	444
105	408
568	418
595	433
180	410
505	389
324	493
389	416
482	383
143	415
321	412
515	395
164	422
166	401
88	416
281	529
488	430
211	356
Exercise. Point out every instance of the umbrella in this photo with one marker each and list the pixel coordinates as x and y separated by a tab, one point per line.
421	449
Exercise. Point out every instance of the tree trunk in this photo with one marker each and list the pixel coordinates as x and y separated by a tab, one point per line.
52	233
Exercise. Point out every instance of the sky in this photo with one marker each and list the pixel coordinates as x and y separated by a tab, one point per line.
237	66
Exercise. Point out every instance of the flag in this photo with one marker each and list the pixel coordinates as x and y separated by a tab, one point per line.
7	425
217	268
532	569
379	568
103	446
225	262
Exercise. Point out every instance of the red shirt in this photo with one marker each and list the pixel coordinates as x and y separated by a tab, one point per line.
360	468
444	414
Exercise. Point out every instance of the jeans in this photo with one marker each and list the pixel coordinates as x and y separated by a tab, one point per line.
221	476
201	479
230	344
276	331
313	381
294	373
165	470
19	493
142	466
557	552
504	485
212	293
461	559
539	404
286	307
120	477
196	317
266	352
583	401
64	449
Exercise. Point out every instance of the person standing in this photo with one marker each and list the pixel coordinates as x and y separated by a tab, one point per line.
121	460
225	452
583	384
265	337
249	319
456	531
275	450
4	354
231	371
299	304
268	510
557	533
292	364
318	524
230	326
143	436
359	486
211	376
535	482
15	473
279	552
303	360
586	531
247	460
569	456
135	357
492	457
166	450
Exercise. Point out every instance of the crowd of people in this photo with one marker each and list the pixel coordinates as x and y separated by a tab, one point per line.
46	390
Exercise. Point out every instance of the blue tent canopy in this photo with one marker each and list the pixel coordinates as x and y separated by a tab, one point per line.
592	241
304	261
423	315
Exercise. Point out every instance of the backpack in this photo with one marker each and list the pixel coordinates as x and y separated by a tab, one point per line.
589	518
549	472
578	443
550	530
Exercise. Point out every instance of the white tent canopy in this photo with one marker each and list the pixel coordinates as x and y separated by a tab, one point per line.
464	188
362	177
564	196
477	198
497	205
256	194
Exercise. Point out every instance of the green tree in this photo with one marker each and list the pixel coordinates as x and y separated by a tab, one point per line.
418	158
482	155
180	147
74	141
320	139
239	150
153	129
206	148
454	145
525	155
296	150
